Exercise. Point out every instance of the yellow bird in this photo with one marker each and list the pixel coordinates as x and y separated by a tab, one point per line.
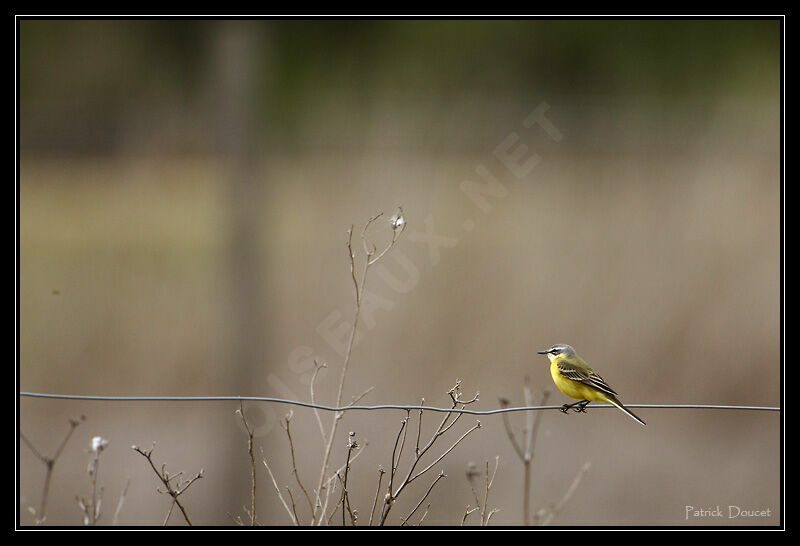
577	380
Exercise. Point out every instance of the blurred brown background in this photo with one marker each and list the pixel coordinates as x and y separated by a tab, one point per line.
184	192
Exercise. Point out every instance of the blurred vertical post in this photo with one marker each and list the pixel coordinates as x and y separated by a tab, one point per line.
238	58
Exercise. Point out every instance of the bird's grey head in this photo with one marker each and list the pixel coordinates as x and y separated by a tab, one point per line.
558	349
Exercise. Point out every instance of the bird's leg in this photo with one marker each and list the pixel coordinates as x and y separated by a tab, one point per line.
579	404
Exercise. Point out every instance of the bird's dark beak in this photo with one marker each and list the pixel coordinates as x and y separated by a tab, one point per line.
542	352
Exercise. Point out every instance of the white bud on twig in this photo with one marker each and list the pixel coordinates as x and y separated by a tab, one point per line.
99	444
398	221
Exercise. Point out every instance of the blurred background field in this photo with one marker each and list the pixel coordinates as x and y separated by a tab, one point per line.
185	188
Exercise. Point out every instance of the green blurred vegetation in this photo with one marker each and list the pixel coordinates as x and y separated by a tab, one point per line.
89	72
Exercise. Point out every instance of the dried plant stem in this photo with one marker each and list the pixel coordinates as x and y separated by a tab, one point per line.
351	445
525	450
94	509
483	506
49	463
359	288
333	512
249	432
278	490
370	260
570	491
424	515
428	492
173	491
467	514
381	472
395	458
486	515
169	513
294	505
121	502
287	428
536	422
419	428
332	480
236	520
341	468
317	368
444	426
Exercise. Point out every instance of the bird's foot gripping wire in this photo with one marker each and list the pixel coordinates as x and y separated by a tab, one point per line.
579	407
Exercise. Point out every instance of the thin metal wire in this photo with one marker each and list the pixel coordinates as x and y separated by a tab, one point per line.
367	408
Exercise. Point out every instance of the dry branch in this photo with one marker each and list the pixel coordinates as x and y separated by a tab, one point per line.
445	425
398	224
174	491
49	463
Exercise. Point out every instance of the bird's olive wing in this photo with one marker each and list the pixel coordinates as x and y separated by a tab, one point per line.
586	376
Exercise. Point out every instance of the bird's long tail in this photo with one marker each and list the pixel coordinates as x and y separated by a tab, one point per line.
618	404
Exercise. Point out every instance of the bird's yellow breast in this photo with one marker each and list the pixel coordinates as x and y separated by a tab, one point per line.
574	389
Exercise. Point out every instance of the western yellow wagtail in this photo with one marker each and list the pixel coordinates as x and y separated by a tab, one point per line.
577	380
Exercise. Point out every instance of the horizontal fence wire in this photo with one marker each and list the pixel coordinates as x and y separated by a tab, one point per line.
369	408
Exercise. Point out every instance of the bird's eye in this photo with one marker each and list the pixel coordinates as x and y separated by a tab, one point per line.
554	351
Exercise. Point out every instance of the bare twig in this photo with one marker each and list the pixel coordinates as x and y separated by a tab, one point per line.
359	296
525	449
381	472
294	505
512	437
169	513
483	506
528	431
419	428
352	258
287	428
351	445
444	426
428	492
536	422
472	473
278	490
363	447
484	517
121	502
467	513
236	520
317	368
249	432
570	491
443	455
424	515
398	225
49	463
357	399
166	480
332	480
396	459
341	500
91	508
